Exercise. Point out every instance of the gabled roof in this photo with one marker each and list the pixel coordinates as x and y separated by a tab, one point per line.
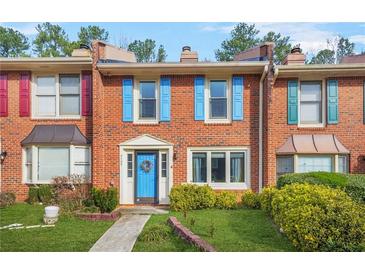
146	140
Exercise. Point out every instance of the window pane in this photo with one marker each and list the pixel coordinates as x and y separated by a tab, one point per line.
147	109
310	91
130	164
53	162
199	167
237	167
28	163
81	155
82	169
163	165
310	113
218	108
147	89
69	84
69	104
46	105
317	163
46	85
218	167
217	88
342	164
284	165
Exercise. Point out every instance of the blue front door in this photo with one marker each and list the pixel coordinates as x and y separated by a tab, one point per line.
146	185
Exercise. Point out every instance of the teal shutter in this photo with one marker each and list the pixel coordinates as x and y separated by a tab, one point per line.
165	99
199	98
332	101
237	98
127	100
292	102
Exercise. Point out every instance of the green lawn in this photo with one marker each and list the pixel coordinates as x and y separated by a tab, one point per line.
69	234
235	230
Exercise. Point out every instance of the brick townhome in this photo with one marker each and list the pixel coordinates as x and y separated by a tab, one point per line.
145	127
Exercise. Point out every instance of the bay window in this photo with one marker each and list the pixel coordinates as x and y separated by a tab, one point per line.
56	96
315	163
219	167
43	163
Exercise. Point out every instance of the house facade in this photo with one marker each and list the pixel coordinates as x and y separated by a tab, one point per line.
146	127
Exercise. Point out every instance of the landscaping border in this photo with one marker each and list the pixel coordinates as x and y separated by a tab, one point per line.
189	236
112	216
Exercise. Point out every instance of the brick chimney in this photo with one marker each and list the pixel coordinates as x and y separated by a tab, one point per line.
188	56
295	57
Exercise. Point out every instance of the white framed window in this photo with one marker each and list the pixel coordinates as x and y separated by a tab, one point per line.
163	165
311	103
42	163
219	167
218	100
130	165
56	96
284	164
146	102
315	163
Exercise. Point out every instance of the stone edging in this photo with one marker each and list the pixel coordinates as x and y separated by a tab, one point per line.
189	236
113	216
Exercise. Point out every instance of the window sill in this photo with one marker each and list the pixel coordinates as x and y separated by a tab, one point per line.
78	118
217	121
223	186
311	125
46	183
146	122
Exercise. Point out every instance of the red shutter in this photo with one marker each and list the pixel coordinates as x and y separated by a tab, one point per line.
86	87
3	94
24	95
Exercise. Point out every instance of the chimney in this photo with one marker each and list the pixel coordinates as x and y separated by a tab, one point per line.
263	52
82	51
188	56
295	57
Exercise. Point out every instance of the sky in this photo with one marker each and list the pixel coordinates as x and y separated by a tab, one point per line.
207	37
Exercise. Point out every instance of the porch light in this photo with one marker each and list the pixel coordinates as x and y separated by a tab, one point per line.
3	155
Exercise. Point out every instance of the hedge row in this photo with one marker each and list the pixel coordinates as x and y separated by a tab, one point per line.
316	217
352	184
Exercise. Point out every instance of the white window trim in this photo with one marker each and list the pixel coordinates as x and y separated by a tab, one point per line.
324	93
207	118
35	162
34	100
226	185
136	97
334	157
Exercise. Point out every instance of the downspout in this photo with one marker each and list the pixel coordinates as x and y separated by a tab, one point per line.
261	117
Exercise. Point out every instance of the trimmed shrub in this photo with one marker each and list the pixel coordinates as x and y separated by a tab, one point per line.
45	194
7	199
187	197
155	233
105	199
322	178
356	187
33	195
250	199
226	200
319	218
265	198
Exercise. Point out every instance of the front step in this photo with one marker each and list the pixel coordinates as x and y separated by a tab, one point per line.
141	210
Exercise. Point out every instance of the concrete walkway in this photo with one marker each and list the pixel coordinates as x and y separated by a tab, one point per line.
122	235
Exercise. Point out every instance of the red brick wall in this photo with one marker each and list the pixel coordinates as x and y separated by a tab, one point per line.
350	130
13	129
182	131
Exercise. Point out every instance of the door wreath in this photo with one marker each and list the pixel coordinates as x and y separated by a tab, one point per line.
146	166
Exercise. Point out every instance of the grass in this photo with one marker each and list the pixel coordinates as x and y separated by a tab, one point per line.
171	244
69	234
234	230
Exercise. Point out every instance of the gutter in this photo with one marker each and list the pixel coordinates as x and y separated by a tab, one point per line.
261	117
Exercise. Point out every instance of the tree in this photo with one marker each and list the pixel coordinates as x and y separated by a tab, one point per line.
51	40
282	45
243	37
12	43
145	51
90	33
325	56
344	48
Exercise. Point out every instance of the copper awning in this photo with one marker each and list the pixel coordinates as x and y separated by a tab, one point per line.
55	134
312	144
